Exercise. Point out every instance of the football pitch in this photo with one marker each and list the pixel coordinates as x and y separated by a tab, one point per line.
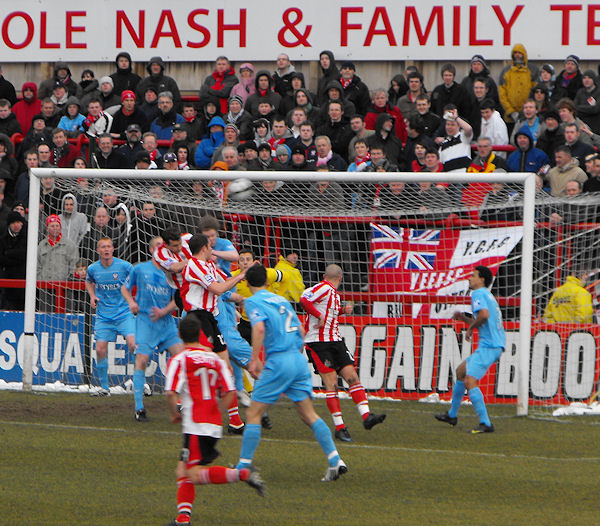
74	460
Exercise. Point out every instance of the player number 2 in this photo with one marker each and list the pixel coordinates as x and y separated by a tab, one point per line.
208	378
288	319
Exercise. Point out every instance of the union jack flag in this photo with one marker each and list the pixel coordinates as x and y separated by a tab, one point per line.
424	237
387	246
419	260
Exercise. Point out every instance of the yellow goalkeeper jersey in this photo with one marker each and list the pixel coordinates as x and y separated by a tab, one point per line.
273	276
292	285
570	303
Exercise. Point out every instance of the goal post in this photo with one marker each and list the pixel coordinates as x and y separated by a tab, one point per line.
238	211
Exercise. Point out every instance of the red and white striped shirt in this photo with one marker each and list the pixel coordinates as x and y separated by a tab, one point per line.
165	257
197	277
196	375
325	298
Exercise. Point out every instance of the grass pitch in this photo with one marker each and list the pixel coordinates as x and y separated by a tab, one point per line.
71	459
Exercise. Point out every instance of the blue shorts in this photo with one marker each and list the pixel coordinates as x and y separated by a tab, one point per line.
284	373
239	349
108	330
151	336
481	360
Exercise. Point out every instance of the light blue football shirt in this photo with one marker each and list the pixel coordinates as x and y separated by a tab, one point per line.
282	326
153	290
491	333
108	281
224	245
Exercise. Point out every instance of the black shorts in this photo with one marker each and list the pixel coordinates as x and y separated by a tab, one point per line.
327	357
211	329
245	330
198	450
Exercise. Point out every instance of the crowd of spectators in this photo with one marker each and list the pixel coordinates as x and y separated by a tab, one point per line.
270	120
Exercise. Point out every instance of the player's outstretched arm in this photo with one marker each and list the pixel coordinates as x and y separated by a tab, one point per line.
223	286
227	255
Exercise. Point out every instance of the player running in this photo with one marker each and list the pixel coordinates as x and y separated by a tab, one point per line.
285	371
103	284
203	283
328	353
155	328
492	340
196	375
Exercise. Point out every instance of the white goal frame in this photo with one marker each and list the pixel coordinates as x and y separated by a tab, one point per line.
527	180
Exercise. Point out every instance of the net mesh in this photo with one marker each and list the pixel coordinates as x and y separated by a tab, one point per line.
407	251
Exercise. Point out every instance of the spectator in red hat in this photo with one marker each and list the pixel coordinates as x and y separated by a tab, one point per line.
128	114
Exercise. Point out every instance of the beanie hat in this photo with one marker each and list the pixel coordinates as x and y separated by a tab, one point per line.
52	218
14	217
549	68
552	114
480	59
221	165
249	145
127	94
106	78
233	127
283	149
573	58
590	73
143	156
264	146
238	98
348	64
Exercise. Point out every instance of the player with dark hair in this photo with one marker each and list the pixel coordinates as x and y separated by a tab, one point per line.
197	375
285	371
328	353
492	340
155	328
203	283
103	283
222	248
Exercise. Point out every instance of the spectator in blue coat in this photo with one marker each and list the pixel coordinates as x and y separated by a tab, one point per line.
162	126
208	145
526	158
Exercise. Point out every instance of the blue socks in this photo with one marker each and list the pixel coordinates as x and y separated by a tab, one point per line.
323	436
457	395
249	444
102	371
139	379
476	397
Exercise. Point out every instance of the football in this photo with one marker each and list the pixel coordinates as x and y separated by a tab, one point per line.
240	189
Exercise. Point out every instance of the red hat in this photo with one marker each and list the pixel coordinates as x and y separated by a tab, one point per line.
127	94
53	218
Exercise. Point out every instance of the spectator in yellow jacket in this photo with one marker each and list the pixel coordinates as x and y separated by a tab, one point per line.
516	82
570	303
292	285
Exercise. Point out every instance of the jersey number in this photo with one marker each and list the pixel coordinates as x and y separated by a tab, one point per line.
288	319
208	379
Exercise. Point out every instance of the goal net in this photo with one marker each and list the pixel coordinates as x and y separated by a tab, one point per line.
407	244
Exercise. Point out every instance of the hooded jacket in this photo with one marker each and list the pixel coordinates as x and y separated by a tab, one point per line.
47	85
282	83
313	113
570	303
329	74
516	82
26	109
71	125
245	87
209	144
394	95
219	86
391	145
10	125
530	160
468	81
160	82
124	79
347	106
357	93
399	126
291	286
74	225
270	96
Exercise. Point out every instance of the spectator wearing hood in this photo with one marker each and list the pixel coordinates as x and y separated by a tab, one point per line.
245	87
128	114
587	101
149	104
7	161
157	80
526	158
62	73
124	78
238	116
262	131
330	72
479	70
398	88
303	99
72	120
28	106
335	92
74	223
38	133
381	105
288	102
9	125
89	85
539	93
552	135
264	93
208	145
283	74
57	256
569	81
516	81
546	78
385	138
354	89
337	128
13	258
162	126
220	83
